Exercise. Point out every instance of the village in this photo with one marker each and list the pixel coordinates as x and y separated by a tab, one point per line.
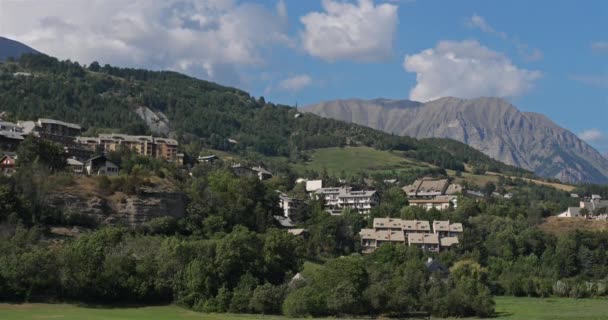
87	156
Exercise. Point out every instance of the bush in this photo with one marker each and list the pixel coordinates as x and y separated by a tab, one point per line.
267	299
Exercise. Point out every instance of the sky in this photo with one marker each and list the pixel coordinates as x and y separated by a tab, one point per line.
547	56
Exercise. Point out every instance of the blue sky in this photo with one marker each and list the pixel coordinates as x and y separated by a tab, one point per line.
543	56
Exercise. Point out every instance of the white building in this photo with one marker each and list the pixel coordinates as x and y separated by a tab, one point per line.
337	199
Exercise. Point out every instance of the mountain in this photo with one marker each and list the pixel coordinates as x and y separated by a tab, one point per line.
11	48
200	114
491	125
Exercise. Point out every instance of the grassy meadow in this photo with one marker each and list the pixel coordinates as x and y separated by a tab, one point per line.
357	159
508	308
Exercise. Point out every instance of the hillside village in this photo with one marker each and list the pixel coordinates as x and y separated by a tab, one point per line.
315	217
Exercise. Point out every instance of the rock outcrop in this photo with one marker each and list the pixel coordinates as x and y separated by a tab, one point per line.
118	208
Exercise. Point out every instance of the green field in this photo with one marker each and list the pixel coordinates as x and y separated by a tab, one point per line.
353	160
508	308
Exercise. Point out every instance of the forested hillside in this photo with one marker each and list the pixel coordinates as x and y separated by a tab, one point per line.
199	112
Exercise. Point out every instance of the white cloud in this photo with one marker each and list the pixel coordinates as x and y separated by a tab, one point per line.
597	138
466	69
600	47
295	83
360	32
592	135
209	38
527	53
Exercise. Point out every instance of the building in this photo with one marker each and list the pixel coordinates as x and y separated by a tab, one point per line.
591	205
445	229
429	188
338	199
313	185
262	173
360	201
10	140
75	166
290	205
207	159
410	232
100	166
425	241
160	148
443	202
58	131
8	163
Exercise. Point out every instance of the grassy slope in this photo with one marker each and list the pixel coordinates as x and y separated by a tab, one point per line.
509	308
356	159
559	226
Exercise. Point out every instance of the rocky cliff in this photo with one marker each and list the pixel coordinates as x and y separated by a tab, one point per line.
149	202
491	125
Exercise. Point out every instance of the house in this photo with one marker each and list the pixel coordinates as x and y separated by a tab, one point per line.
591	205
571	212
289	204
390	181
207	159
425	241
75	166
410	232
443	202
8	163
100	166
243	171
429	188
10	140
262	173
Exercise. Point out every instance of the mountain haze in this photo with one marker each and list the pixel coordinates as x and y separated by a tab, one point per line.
11	48
491	125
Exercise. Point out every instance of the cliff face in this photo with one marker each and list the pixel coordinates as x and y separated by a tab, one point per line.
491	125
160	200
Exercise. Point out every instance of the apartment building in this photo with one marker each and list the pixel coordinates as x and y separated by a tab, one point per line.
58	131
411	232
160	148
290	205
442	202
337	199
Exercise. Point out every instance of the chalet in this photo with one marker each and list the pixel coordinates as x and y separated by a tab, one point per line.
571	212
448	242
428	188
8	163
100	166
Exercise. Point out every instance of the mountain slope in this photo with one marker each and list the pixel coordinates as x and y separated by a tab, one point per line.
491	125
12	48
200	114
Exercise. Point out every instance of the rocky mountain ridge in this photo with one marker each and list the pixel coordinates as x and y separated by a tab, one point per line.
491	125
